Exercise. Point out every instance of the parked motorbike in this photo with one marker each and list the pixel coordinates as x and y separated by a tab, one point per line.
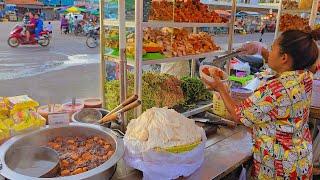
17	37
83	29
93	38
78	30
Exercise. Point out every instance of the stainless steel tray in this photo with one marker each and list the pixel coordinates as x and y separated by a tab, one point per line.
42	136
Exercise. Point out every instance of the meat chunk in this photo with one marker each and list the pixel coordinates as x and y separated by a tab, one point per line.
79	154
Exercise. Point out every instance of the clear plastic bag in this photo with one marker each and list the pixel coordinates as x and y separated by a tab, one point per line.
243	175
160	165
316	149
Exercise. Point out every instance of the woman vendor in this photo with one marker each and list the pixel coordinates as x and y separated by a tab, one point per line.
277	113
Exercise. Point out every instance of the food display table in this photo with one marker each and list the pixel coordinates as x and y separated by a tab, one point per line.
225	151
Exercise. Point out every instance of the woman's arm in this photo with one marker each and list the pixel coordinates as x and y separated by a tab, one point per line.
253	48
265	54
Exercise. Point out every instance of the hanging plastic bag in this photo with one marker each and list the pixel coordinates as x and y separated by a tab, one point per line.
316	149
163	165
243	175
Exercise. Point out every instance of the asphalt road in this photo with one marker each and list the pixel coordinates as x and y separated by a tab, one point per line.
64	69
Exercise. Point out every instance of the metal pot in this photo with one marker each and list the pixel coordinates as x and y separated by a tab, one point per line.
75	117
42	136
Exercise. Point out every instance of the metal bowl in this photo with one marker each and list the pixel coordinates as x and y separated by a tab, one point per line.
42	136
76	117
88	115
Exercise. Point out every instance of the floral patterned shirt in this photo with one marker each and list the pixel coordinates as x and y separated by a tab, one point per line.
278	114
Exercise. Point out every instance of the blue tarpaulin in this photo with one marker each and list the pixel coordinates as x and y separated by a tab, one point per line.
58	2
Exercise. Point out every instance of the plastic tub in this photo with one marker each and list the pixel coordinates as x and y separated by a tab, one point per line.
92	103
88	115
44	110
207	77
75	117
70	108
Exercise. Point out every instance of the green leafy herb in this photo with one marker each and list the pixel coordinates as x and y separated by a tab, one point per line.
194	90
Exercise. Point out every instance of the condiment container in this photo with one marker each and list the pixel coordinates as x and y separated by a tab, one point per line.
204	75
71	107
92	103
45	110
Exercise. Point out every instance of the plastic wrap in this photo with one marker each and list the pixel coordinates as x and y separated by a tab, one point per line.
26	120
4	110
18	115
164	165
316	150
22	102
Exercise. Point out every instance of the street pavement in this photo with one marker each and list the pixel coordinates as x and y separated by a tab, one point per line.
66	68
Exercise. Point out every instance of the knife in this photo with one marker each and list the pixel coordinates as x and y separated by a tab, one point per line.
210	122
220	119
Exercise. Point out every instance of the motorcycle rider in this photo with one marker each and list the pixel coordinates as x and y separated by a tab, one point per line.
26	19
39	26
30	26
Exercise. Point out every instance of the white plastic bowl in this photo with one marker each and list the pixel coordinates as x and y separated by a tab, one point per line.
209	78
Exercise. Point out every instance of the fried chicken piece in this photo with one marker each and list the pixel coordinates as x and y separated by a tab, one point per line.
77	171
65	172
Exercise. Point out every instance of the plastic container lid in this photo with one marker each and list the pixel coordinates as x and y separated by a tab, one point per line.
69	107
92	103
44	110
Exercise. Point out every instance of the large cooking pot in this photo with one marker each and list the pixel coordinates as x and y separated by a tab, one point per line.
42	136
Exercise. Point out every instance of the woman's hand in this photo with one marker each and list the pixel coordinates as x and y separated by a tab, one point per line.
217	85
251	48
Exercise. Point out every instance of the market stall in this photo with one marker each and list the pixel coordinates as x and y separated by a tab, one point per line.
139	47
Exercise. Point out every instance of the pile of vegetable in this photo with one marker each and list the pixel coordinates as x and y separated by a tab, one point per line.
159	90
194	90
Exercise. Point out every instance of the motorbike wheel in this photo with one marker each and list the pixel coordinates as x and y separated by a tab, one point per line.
13	42
76	32
92	42
44	41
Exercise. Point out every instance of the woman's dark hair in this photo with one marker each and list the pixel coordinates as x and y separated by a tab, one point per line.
301	46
